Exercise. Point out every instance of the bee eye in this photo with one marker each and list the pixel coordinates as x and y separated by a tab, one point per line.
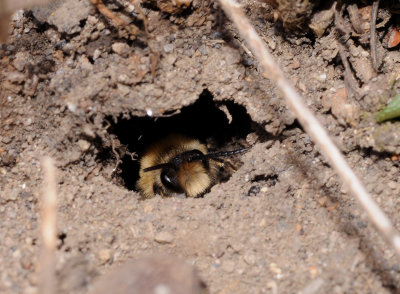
169	179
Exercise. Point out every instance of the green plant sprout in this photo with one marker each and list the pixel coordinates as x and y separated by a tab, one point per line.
390	111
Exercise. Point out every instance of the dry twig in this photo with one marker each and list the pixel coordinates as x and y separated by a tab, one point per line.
311	124
136	4
350	82
155	55
343	30
48	229
372	38
352	9
134	30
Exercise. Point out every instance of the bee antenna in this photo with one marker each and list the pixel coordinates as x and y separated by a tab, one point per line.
158	166
195	157
224	153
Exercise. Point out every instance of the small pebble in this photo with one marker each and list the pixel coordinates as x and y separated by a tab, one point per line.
105	256
16	77
250	259
121	49
392	185
28	240
170	59
228	266
92	19
101	26
11	196
96	54
88	131
94	36
31	290
151	275
168	48
164	238
20	61
12	214
237	247
26	263
74	156
203	50
162	289
84	145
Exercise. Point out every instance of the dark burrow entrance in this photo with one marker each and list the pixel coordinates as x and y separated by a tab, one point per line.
220	125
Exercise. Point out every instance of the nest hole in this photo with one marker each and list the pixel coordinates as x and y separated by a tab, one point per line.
221	125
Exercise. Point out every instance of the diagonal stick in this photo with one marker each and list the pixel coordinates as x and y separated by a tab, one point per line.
311	124
47	261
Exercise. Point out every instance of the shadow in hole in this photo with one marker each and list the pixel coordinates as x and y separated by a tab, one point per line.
203	120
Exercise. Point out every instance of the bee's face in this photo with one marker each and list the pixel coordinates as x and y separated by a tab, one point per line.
180	169
179	164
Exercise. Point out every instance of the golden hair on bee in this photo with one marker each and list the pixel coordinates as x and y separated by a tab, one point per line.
179	164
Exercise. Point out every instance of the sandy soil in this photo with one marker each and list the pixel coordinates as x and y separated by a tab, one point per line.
81	90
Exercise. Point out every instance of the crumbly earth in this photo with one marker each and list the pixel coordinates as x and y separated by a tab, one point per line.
282	223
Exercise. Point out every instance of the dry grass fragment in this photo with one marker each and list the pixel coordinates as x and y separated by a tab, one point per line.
134	30
47	282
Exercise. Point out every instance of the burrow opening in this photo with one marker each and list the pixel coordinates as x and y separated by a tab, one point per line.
222	125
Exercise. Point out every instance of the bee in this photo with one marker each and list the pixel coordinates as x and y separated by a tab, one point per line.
179	164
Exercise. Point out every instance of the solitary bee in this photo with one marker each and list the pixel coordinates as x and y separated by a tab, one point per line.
178	164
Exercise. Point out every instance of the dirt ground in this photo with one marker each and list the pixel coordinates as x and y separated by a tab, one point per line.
92	95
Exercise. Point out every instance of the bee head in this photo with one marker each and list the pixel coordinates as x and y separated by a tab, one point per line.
171	172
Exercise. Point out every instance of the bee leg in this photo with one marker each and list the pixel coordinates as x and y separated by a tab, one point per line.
160	191
225	163
163	195
157	189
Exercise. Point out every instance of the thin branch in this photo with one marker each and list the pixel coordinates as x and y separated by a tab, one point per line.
48	283
352	9
350	82
136	4
372	38
311	124
155	55
111	15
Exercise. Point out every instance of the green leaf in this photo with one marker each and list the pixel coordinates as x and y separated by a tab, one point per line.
390	111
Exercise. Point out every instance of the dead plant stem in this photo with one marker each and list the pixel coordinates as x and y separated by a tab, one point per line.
372	39
47	282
